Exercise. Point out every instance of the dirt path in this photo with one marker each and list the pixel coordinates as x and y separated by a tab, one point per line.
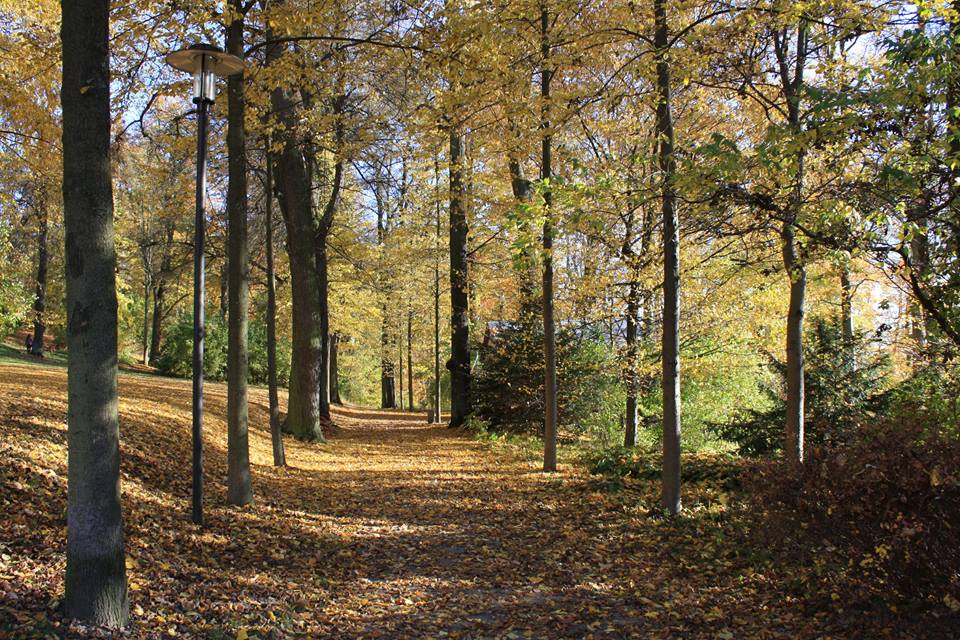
394	529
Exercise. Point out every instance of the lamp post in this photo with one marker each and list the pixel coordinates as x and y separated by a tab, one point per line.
205	62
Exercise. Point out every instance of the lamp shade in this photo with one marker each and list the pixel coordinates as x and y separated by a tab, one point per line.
205	57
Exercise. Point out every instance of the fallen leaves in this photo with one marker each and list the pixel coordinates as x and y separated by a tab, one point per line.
393	529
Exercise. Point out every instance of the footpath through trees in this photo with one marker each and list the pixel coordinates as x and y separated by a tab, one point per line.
395	528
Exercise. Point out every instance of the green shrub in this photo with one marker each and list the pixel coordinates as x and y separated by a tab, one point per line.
257	347
843	390
176	352
508	384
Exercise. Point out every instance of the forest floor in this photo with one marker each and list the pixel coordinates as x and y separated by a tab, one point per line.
393	529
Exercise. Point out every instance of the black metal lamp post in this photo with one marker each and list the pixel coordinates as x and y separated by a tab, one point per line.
205	62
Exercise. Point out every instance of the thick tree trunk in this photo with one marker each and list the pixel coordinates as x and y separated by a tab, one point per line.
549	328
40	296
239	490
293	192
671	269
279	455
96	584
459	287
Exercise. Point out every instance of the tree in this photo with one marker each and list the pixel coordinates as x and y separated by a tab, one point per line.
671	266
96	584
239	491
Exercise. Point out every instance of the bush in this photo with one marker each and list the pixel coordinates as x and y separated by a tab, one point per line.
843	390
880	513
257	346
176	352
508	384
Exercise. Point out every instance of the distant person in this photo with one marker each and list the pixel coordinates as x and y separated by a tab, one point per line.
29	343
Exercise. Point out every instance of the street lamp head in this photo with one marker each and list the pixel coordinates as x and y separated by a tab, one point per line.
205	62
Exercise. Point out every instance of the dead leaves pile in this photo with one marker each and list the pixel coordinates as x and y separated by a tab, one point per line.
393	529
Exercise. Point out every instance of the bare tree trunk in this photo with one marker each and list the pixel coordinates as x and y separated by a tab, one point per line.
459	366
145	341
400	363
40	296
549	329
671	268
792	87
96	583
276	436
239	490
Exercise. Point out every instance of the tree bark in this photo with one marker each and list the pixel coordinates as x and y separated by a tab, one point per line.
40	296
410	359
459	286
96	584
671	268
293	193
549	328
633	304
276	435
159	292
846	308
239	490
437	397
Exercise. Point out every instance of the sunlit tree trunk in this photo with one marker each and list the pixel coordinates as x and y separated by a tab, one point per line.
549	329
671	268
95	584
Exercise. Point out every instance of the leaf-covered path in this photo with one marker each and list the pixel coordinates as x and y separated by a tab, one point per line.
393	529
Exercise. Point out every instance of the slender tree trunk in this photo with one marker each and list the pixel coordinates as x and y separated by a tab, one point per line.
96	583
437	396
460	400
400	363
792	261
159	291
40	296
549	329
410	359
276	436
793	440
225	289
334	370
630	421
239	490
671	268
145	342
846	305
323	282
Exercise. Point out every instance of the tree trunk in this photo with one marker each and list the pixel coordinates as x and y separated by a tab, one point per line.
159	291
846	305
793	437
459	287
293	193
279	455
145	342
671	269
40	297
796	270
549	329
630	421
239	491
334	371
96	583
410	359
400	363
437	398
